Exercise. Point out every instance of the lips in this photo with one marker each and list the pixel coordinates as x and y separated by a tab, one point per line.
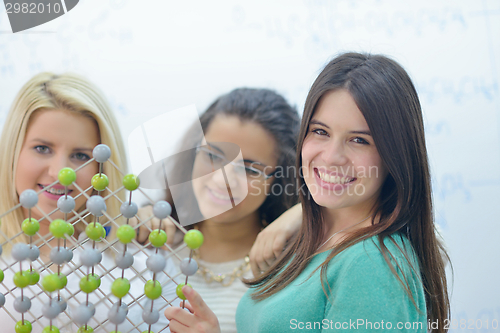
56	190
335	179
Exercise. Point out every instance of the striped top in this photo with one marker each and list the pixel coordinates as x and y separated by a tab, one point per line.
221	300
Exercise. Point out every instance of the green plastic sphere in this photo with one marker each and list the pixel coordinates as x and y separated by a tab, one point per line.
58	228
125	233
90	283
66	176
95	231
2	276
131	182
23	327
120	287
193	239
152	289
21	279
158	237
34	277
70	229
51	282
50	329
179	292
100	182
63	281
85	330
30	226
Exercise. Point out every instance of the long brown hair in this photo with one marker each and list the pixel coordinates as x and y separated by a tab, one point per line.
385	95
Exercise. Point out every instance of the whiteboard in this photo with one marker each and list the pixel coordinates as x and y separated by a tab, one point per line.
150	57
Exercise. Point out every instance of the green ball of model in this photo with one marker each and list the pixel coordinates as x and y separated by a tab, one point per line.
58	228
120	287
51	282
34	277
179	292
100	182
125	233
158	237
152	289
23	327
30	226
90	283
95	231
131	182
193	239
21	279
66	176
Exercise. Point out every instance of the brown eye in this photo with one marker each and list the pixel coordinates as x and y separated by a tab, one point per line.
319	131
360	141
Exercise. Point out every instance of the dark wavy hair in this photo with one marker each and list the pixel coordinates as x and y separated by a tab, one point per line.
386	96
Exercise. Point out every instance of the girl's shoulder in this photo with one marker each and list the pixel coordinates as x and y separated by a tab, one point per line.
373	254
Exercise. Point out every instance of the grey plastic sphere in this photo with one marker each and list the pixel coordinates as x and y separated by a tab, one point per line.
150	317
101	153
68	254
66	204
124	261
22	304
96	204
188	268
90	257
82	314
58	255
28	198
127	210
2	300
34	253
117	314
156	263
162	209
20	251
51	310
62	304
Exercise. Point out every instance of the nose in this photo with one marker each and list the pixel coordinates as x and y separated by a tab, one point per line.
335	153
56	163
226	177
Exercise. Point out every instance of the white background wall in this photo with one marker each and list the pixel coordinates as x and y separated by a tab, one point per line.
150	57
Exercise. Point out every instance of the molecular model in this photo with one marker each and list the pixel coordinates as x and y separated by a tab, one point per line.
101	280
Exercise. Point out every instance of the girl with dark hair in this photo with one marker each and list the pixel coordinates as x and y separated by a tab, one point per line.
366	257
234	207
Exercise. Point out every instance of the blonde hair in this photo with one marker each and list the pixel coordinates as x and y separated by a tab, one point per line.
48	91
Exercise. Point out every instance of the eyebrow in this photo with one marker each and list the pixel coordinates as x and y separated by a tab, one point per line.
317	122
48	143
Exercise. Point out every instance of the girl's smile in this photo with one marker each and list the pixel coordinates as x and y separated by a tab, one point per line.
342	167
56	139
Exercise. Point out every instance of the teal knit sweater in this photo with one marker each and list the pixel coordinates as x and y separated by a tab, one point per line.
365	295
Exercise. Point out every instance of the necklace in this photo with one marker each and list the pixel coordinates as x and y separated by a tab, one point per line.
224	279
338	232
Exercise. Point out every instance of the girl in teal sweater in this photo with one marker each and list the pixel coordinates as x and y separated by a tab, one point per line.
366	257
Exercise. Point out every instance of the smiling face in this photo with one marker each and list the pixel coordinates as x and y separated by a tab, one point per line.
56	139
342	167
213	192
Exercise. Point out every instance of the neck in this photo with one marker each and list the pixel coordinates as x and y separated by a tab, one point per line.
227	241
341	222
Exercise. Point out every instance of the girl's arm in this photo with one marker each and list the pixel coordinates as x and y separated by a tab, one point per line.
272	240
